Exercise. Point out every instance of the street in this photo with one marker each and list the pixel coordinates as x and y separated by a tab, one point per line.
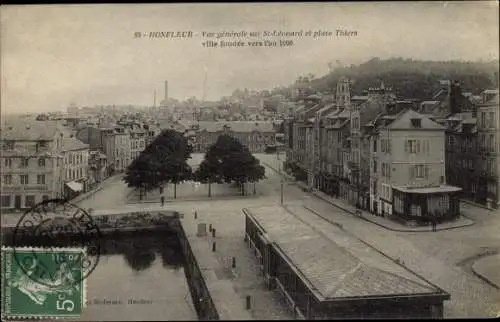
437	256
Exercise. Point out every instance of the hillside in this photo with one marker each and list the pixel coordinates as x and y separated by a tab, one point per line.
412	78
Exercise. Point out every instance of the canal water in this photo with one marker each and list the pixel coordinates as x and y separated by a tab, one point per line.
139	277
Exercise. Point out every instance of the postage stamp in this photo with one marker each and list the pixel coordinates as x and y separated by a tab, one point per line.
52	224
48	285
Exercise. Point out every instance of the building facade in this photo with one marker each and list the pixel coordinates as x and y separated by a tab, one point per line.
408	180
76	167
31	163
488	127
255	135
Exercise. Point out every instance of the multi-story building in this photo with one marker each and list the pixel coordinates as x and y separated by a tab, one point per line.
463	164
408	177
98	168
114	141
31	163
137	141
362	110
337	130
75	167
255	135
488	127
116	146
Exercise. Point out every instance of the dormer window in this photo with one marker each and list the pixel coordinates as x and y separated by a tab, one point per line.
416	123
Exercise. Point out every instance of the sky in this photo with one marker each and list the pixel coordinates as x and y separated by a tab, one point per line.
54	55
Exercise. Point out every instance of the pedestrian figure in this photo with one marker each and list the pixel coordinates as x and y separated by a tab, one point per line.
162	200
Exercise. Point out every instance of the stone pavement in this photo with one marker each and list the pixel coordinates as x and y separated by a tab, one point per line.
240	281
489	269
470	296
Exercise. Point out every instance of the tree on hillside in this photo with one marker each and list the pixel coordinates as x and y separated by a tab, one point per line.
209	170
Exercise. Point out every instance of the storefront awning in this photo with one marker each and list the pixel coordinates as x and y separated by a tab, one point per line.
439	189
75	186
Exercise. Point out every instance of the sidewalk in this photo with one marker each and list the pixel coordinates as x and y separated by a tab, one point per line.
229	286
488	269
462	221
385	222
100	186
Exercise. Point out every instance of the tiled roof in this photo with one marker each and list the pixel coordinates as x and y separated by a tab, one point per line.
72	144
237	126
23	130
337	267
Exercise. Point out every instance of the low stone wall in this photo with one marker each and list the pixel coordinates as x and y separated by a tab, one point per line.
126	222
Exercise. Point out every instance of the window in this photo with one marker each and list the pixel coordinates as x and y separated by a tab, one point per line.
483	119
24	179
383	145
8	145
451	140
374	166
41	162
24	162
421	171
491	143
42	144
483	140
7	179
5	201
385	170
40	179
45	197
416	123
30	201
412	146
8	162
491	119
374	145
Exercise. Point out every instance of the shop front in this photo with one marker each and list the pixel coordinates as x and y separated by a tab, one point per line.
426	205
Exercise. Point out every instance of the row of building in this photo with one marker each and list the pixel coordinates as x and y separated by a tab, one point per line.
40	160
395	157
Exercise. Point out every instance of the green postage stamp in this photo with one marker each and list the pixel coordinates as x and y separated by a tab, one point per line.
42	282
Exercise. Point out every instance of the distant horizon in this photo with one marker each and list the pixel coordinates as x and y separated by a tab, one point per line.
87	54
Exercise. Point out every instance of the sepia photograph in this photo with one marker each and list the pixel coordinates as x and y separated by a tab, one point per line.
250	161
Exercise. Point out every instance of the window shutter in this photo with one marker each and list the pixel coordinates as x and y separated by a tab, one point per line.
406	146
412	172
418	146
389	146
426	172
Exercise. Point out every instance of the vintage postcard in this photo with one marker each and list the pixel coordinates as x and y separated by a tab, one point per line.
250	161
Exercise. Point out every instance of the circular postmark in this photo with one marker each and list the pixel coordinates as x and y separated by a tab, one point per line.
70	241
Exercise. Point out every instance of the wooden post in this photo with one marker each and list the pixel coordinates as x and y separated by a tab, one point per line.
213	247
234	262
213	232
